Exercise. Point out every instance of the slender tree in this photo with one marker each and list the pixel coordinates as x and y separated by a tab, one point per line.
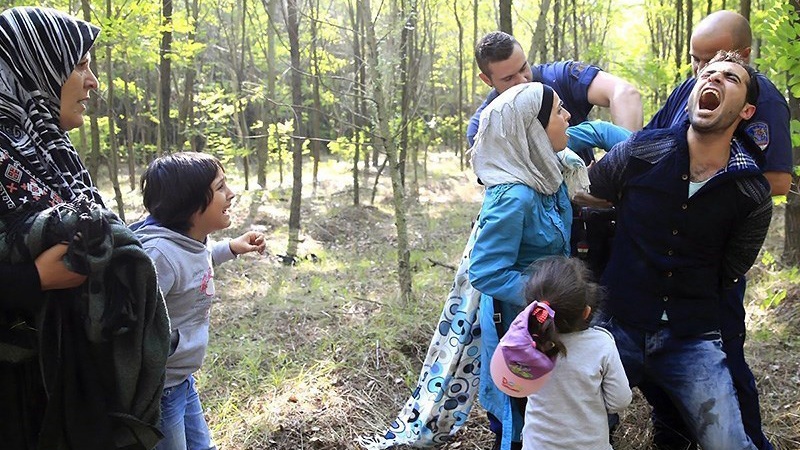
186	111
113	156
293	28
538	50
164	78
93	161
506	24
383	139
474	73
358	98
316	111
460	84
791	248
406	46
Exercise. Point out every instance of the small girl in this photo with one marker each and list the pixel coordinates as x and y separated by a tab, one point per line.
587	381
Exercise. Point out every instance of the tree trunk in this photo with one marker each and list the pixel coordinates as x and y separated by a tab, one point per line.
460	95
357	118
316	131
791	247
557	35
93	161
689	27
574	15
505	16
186	112
474	73
384	140
538	50
293	26
745	9
406	37
244	129
678	39
269	108
164	75
129	125
113	163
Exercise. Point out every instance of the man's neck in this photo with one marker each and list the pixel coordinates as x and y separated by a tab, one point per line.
708	152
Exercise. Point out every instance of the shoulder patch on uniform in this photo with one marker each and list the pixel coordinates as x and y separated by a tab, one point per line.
576	69
759	132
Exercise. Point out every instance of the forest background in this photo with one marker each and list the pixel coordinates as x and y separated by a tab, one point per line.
342	125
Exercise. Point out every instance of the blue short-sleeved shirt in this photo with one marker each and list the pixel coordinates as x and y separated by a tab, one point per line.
769	126
584	137
570	80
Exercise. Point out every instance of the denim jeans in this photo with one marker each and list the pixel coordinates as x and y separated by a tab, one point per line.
182	420
669	432
693	373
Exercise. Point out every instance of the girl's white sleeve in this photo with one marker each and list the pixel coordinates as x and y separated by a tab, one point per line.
616	390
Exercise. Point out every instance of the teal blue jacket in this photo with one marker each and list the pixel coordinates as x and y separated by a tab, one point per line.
517	226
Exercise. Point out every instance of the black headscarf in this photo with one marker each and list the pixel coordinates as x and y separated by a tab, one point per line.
39	49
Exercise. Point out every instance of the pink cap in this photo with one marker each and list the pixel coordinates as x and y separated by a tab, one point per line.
518	368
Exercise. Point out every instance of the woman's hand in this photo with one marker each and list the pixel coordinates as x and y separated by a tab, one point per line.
53	274
586	199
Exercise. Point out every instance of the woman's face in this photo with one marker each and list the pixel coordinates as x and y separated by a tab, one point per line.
557	127
75	94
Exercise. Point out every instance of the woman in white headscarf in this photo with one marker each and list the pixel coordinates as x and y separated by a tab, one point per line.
526	215
71	375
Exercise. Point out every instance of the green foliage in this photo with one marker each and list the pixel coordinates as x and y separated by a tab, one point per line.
779	27
784	277
345	146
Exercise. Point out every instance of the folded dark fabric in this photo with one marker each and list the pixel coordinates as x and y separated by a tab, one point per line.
102	346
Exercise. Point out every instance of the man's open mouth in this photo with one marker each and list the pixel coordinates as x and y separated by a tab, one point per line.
709	99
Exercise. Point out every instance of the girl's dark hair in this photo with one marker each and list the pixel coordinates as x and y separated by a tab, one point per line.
566	284
176	186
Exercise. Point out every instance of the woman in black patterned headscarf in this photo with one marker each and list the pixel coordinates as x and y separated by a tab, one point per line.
80	368
45	81
42	50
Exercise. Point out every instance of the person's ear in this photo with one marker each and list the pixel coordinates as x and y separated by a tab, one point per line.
747	111
587	312
486	79
745	53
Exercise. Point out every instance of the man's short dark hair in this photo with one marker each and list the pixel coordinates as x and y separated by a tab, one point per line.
176	186
733	57
495	46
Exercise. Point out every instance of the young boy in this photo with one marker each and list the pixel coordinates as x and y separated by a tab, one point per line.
188	199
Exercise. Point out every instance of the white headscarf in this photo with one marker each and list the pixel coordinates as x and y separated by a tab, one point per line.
512	146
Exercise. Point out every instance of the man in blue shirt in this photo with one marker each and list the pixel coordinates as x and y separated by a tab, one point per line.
580	86
693	210
769	129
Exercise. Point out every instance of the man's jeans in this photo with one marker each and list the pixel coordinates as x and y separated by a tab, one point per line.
182	420
693	373
669	432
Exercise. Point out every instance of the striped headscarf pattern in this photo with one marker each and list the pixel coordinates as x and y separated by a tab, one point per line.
39	48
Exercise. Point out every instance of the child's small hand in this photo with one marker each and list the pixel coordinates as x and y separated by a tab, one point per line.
252	241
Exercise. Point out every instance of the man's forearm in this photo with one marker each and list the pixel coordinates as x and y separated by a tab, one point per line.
779	182
626	107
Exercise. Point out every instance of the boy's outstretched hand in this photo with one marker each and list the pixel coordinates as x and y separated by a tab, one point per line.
252	241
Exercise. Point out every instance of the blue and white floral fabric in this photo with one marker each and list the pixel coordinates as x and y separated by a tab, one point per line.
445	392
